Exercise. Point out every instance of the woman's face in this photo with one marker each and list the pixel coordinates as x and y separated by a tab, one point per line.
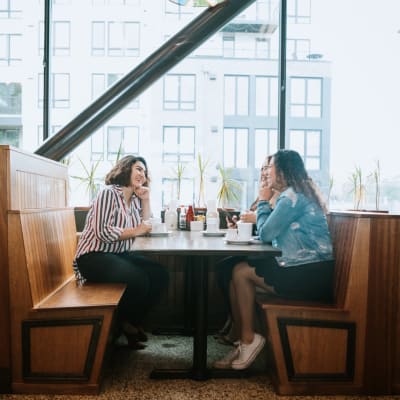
138	174
264	169
275	179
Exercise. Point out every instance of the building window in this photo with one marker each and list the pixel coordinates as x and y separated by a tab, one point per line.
235	147
297	49
97	145
178	143
98	38
264	10
61	39
101	82
299	11
228	45
308	144
263	47
265	143
59	92
236	95
170	190
266	103
122	140
306	97
173	8
179	92
10	49
11	136
123	39
10	8
10	98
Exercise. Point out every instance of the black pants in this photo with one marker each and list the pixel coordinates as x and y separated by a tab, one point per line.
145	279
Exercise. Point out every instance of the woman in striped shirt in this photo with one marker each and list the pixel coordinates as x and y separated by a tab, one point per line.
103	254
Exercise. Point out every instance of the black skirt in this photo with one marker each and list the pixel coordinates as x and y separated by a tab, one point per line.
311	282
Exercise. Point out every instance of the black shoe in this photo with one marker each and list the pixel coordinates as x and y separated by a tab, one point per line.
133	341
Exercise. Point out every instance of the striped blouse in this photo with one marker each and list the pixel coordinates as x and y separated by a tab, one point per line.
108	216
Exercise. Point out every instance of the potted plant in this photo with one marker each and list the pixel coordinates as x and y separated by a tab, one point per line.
202	165
229	190
358	188
89	178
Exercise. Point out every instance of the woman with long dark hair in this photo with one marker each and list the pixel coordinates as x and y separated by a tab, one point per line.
292	215
115	218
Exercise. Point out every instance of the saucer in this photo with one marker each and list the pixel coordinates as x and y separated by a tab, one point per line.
159	234
214	234
237	241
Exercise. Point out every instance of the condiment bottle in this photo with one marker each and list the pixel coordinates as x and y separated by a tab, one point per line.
189	217
171	217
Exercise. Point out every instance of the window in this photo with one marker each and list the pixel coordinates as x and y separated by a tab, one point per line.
228	45
170	190
297	49
236	95
122	140
176	9
308	144
265	143
178	143
262	48
266	103
10	8
61	38
10	98
60	96
97	145
123	39
11	136
179	92
306	97
235	150
98	39
299	11
101	82
10	49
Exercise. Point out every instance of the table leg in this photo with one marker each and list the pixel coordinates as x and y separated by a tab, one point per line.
199	370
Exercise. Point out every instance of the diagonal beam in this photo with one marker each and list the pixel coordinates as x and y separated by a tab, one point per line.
140	78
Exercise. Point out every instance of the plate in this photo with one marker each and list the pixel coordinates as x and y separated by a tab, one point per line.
235	241
213	234
159	234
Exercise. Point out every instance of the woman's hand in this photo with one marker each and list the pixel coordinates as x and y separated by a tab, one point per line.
265	193
142	229
248	216
143	192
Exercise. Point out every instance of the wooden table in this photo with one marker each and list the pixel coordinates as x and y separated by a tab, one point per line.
199	249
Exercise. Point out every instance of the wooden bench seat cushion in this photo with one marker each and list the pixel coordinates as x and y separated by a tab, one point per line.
86	296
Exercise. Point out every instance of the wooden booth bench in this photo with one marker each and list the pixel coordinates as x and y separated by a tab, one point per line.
59	331
320	348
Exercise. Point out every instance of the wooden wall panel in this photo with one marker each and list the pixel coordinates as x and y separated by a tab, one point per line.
26	181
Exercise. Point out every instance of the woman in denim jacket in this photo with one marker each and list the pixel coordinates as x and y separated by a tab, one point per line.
291	215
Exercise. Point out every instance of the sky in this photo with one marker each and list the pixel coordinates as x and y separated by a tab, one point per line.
361	38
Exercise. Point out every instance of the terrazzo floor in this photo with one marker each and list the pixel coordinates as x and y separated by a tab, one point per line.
127	377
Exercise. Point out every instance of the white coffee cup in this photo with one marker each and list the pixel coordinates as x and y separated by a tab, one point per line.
196	225
245	230
158	227
231	234
212	225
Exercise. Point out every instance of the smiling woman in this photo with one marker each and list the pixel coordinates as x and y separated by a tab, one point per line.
104	249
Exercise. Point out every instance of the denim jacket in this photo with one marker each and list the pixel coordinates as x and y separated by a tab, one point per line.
297	226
